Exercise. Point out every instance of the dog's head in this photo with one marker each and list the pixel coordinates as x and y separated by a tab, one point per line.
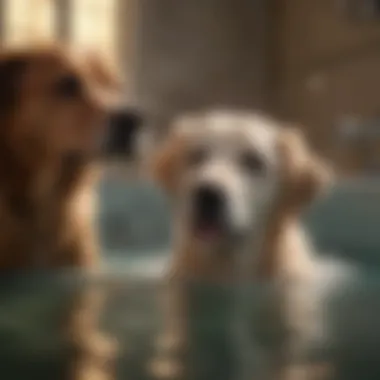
56	102
224	171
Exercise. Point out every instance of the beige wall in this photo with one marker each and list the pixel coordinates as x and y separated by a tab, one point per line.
305	60
197	53
330	69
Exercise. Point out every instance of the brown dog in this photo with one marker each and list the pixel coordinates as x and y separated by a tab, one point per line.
53	106
238	184
52	113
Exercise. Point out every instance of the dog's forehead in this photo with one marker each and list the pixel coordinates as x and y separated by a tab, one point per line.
240	130
42	63
53	59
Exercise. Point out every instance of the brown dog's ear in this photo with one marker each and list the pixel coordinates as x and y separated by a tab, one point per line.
165	166
304	174
103	71
12	66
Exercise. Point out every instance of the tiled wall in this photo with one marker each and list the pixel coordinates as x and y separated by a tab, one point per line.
198	53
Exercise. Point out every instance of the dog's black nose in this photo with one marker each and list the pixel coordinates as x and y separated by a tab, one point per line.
122	131
209	204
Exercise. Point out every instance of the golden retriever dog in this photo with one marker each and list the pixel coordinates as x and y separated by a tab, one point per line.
54	105
52	114
238	184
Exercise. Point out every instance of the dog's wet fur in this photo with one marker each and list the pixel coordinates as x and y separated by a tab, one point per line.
239	184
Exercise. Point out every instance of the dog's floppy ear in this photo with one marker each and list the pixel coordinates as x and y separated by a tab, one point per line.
103	71
12	67
167	161
304	173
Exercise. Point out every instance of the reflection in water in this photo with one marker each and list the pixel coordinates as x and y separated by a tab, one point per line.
91	352
198	341
54	328
51	328
195	340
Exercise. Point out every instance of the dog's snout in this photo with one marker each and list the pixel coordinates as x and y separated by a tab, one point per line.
209	203
122	132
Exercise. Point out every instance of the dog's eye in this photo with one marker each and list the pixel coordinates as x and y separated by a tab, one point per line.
68	87
196	157
252	162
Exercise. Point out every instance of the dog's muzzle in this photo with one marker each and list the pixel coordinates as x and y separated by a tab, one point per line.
212	218
209	210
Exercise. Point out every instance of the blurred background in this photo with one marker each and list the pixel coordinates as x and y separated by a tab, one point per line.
306	61
315	63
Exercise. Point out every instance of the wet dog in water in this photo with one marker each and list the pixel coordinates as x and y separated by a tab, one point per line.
238	184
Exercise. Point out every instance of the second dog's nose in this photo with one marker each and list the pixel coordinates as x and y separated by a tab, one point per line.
209	203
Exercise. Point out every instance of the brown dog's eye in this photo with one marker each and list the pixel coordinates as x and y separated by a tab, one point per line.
68	87
196	157
252	162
